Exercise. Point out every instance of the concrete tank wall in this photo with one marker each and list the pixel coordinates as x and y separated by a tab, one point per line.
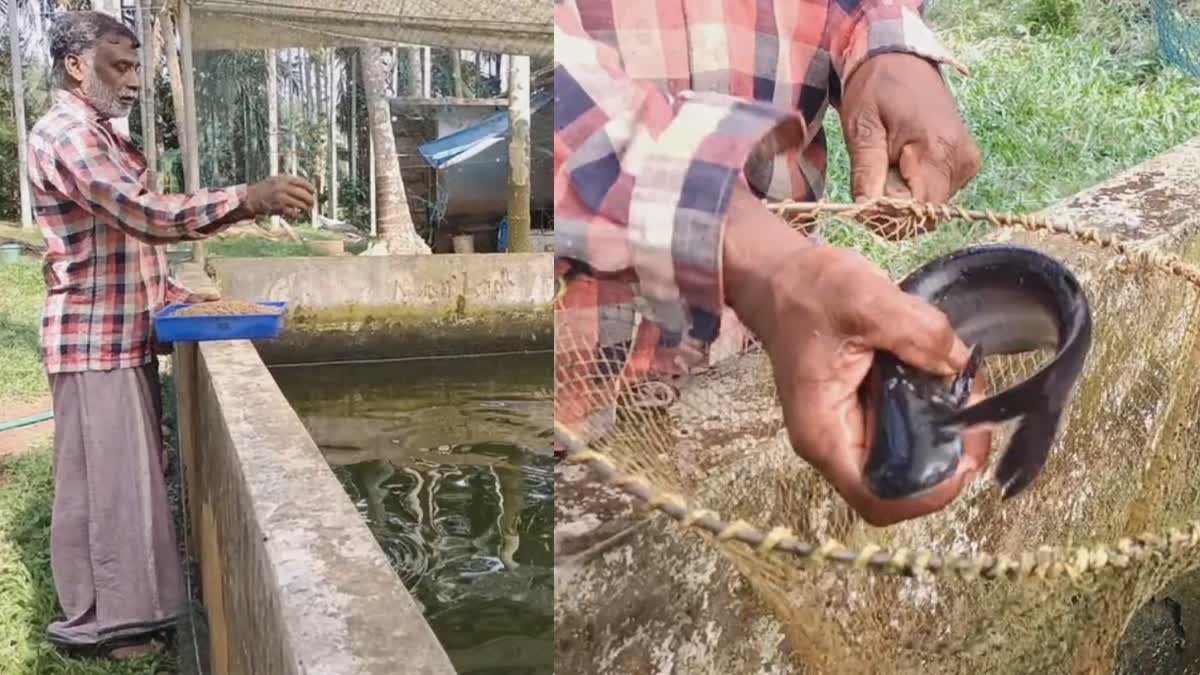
375	307
292	579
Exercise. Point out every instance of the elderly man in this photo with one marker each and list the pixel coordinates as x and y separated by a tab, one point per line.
672	119
112	544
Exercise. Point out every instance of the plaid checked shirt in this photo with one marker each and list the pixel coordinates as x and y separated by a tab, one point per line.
662	107
105	272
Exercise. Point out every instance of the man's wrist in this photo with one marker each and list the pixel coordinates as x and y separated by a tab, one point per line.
757	245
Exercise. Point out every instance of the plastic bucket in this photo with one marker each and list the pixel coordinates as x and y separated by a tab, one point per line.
10	253
464	243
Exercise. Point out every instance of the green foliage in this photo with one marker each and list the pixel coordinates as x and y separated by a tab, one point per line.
37	101
170	171
354	202
10	202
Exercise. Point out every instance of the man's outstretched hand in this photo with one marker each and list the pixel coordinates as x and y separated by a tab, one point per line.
822	312
280	195
898	112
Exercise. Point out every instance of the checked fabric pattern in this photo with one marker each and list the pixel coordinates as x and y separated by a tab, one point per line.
661	107
105	272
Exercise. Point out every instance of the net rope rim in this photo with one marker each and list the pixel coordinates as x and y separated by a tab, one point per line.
1042	563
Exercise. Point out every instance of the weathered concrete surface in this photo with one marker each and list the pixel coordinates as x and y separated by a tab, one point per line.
634	596
292	579
376	307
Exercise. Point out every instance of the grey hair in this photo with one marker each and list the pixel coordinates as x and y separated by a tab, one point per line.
74	33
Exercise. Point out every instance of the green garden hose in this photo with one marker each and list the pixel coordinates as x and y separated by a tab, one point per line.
26	421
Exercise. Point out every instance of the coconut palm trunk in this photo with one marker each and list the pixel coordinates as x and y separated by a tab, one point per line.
18	85
397	234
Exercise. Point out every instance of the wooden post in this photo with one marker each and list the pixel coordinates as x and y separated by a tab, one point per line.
14	42
293	154
149	73
371	168
273	118
518	155
331	78
175	77
395	71
273	111
427	75
190	143
353	85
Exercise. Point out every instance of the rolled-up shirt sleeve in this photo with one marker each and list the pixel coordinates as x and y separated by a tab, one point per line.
860	30
176	292
643	180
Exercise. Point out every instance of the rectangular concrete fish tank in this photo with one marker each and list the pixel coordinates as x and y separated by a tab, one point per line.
373	491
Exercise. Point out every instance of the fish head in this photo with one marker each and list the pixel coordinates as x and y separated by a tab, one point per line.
912	451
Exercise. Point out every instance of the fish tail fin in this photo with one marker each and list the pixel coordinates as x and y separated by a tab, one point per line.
1027	451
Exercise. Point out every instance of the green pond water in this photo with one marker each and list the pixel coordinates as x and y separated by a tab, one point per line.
450	462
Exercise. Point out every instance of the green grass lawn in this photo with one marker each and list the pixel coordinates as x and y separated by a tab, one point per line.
249	247
256	248
21	290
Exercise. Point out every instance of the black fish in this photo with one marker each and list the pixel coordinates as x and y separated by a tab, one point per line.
1000	299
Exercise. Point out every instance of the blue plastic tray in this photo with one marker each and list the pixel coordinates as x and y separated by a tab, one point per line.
169	328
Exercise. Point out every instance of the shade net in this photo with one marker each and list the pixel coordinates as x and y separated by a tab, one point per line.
507	26
1178	25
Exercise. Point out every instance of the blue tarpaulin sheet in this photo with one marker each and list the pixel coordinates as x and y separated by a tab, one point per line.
467	142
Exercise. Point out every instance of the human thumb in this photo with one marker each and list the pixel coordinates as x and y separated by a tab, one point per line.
866	141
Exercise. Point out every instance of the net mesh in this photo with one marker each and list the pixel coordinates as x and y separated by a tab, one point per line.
1178	26
1043	583
509	27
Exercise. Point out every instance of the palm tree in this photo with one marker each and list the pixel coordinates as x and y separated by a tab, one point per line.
397	234
18	84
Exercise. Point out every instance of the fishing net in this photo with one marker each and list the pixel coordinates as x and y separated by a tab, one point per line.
1178	25
1046	582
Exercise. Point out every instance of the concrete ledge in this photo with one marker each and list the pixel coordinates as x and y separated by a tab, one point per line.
293	580
375	307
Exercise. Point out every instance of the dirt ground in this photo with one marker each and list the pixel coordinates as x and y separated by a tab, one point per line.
17	440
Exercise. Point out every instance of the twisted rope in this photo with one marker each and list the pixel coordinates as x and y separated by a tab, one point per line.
920	218
1045	563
